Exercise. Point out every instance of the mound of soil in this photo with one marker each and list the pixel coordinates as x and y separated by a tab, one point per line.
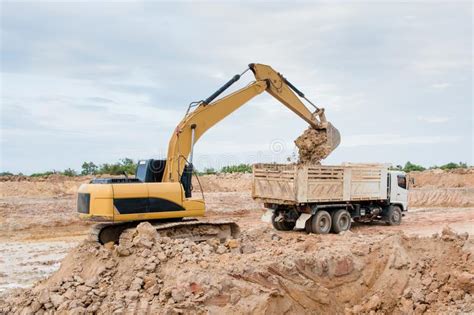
231	182
44	187
438	178
312	146
261	272
442	197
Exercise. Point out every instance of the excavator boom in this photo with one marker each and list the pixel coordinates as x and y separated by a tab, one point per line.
208	112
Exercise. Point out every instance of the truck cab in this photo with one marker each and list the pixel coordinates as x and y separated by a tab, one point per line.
398	189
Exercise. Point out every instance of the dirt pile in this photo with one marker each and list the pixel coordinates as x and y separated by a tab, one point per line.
44	187
442	197
49	185
231	182
438	178
312	146
59	185
261	272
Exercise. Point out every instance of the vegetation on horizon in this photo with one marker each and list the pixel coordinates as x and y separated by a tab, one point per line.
411	167
240	168
128	166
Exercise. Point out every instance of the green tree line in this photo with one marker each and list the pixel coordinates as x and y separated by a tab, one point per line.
123	166
240	168
411	167
128	166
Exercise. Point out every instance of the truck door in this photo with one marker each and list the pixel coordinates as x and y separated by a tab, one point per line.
399	190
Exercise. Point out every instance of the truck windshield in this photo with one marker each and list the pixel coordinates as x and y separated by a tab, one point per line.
402	181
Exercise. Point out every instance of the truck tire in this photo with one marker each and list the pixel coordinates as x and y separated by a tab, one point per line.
341	221
394	215
307	225
321	222
282	225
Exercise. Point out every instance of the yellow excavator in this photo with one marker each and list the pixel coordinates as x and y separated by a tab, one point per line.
161	191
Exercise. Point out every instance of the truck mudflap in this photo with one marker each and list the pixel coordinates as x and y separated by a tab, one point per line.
267	216
301	222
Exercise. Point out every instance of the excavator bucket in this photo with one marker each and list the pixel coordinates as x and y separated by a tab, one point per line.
333	136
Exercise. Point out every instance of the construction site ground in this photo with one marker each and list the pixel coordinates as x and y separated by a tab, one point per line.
423	265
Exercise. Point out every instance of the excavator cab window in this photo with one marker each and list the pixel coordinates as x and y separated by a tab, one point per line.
150	171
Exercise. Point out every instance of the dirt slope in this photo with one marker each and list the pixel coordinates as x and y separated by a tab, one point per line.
438	178
262	272
57	185
50	201
442	197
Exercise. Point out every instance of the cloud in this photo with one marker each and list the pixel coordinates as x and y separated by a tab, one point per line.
394	139
441	86
433	119
110	79
100	100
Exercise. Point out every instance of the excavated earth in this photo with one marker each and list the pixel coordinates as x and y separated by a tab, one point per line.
312	146
261	272
422	266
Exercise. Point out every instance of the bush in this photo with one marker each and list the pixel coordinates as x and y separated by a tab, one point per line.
69	172
42	174
209	171
126	165
6	174
452	166
241	168
410	167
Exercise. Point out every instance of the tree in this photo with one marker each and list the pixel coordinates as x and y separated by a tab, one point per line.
125	165
128	166
89	168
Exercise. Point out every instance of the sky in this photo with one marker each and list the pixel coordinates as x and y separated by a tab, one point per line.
100	81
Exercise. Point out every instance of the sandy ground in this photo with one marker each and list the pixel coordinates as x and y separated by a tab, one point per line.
39	226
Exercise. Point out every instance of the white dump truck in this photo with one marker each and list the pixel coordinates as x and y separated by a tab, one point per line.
322	198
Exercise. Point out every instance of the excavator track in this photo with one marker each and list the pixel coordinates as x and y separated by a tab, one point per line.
192	229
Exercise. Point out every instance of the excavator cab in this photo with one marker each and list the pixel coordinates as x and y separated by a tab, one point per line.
151	171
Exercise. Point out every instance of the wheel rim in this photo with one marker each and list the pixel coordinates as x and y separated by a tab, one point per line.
344	223
323	223
395	216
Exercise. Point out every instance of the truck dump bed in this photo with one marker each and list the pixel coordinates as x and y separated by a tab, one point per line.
295	184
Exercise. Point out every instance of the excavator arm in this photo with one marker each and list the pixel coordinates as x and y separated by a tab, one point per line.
208	112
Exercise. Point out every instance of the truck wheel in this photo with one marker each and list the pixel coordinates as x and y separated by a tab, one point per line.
307	225
341	221
321	222
282	225
394	215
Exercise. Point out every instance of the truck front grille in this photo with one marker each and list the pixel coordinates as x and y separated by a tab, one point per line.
83	202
